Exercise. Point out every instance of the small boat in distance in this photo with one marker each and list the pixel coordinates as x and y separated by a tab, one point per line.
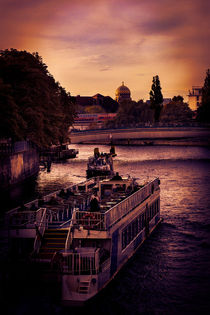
101	164
86	232
58	153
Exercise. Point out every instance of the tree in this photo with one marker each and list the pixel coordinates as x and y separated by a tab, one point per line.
146	113
110	105
176	112
132	114
94	109
156	97
178	98
203	113
11	122
32	104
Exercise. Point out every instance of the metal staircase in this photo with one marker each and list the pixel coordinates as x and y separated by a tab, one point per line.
53	241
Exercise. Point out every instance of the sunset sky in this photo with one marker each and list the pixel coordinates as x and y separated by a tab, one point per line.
91	46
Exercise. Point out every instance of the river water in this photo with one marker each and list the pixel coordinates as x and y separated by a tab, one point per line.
170	273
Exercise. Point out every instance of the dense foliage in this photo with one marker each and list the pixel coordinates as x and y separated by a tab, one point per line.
94	109
110	105
132	114
176	112
156	97
32	105
137	114
203	113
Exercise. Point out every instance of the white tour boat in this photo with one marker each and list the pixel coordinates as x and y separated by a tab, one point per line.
86	232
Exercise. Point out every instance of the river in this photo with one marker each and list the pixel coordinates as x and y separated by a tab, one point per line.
170	273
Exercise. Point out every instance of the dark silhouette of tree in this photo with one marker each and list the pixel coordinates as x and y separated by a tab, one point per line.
32	105
176	112
178	98
94	109
156	97
146	113
132	114
203	112
110	105
11	122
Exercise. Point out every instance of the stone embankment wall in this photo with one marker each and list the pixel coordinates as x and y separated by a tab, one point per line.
18	162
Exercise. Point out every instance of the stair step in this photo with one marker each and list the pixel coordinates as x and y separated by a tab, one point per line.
55	235
55	224
50	250
53	241
56	231
51	244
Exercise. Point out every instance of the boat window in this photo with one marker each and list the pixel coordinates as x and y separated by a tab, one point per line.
81	188
138	224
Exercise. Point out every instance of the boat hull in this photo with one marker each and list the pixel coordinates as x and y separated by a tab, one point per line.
95	173
104	277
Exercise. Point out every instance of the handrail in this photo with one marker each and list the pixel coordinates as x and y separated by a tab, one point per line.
64	223
35	217
41	229
90	220
85	262
73	187
118	211
69	238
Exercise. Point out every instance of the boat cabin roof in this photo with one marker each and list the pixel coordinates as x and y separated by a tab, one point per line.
114	185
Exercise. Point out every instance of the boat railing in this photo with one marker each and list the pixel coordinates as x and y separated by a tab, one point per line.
65	224
26	207
69	234
40	229
90	220
80	263
32	206
121	209
58	214
25	219
103	221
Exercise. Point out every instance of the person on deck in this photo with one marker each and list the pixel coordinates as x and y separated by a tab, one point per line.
116	177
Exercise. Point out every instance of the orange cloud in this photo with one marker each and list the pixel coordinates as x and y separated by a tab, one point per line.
91	46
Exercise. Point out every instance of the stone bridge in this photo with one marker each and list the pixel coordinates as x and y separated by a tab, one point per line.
145	136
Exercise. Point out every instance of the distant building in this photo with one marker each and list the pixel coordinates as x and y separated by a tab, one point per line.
98	99
195	97
106	102
92	121
122	93
85	100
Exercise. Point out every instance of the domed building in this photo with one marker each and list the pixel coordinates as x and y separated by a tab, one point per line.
122	93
